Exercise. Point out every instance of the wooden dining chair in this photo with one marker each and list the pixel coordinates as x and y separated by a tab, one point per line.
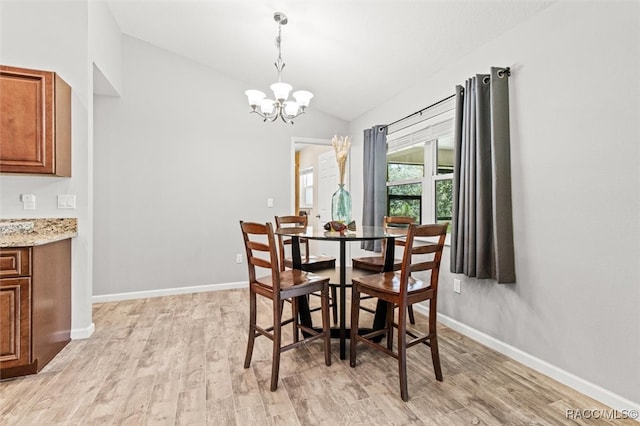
280	285
403	288
310	262
376	263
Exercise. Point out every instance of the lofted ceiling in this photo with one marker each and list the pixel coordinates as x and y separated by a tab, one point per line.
353	55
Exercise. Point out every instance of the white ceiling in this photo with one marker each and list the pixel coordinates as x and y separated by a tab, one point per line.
353	55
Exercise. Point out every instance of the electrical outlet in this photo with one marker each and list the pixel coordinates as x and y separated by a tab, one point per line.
238	258
269	202
456	285
28	201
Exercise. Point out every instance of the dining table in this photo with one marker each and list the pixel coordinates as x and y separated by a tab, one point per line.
338	276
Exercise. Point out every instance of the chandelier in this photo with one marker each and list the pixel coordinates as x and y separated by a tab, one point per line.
280	107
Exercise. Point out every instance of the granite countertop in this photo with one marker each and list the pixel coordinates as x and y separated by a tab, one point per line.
36	232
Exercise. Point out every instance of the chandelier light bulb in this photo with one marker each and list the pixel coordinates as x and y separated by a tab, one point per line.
255	97
291	108
303	97
281	91
267	106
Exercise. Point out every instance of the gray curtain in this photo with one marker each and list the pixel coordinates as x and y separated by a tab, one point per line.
482	226
374	201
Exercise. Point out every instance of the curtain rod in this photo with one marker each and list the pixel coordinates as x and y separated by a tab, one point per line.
501	73
422	110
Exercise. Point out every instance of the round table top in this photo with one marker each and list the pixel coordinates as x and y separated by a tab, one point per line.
361	233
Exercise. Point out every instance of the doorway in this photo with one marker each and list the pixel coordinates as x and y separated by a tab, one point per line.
315	156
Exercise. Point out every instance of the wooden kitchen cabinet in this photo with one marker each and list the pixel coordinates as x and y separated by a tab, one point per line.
35	122
35	306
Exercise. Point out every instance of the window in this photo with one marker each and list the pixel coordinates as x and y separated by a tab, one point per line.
420	165
306	187
443	179
405	173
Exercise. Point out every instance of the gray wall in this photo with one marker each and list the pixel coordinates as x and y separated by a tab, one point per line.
574	137
179	161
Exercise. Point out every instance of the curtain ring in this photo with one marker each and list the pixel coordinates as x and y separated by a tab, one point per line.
486	79
504	71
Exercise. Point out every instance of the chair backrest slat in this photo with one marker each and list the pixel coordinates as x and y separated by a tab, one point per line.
255	245
398	221
262	263
423	266
420	248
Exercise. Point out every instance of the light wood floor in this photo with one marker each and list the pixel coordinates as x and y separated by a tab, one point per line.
178	360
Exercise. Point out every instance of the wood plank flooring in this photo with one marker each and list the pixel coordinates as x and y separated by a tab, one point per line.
177	360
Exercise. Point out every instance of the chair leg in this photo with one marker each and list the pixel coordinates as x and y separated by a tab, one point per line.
355	316
412	319
294	313
435	356
252	329
390	315
334	303
325	325
402	353
277	336
433	341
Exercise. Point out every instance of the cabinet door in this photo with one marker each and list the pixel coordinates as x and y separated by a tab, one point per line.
15	262
15	318
35	122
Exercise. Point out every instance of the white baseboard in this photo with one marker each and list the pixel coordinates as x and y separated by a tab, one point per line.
83	333
116	297
592	390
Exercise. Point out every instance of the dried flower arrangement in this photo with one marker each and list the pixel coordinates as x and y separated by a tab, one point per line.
341	146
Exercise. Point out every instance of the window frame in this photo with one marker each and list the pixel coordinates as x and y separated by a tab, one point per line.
407	197
302	174
436	122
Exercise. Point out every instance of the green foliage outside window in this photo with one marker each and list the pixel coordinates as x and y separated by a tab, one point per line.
402	171
405	199
414	189
405	207
444	199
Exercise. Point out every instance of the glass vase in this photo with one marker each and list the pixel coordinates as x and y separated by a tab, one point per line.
341	205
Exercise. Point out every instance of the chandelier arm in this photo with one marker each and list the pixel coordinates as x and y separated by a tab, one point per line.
291	117
270	117
285	118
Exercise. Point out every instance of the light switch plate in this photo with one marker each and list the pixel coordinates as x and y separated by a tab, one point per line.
456	285
66	201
